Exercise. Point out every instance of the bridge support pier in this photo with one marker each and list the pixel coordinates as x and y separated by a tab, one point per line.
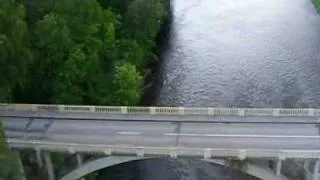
21	166
49	165
79	160
315	173
39	158
278	167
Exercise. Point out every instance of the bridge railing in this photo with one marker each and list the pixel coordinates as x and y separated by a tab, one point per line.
165	110
169	151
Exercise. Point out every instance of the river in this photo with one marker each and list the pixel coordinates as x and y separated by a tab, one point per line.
233	53
242	53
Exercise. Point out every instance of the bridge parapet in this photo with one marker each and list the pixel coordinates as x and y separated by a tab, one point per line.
211	111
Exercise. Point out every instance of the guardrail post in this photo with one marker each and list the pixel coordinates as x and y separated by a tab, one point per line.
61	108
315	173
39	158
92	109
241	112
181	110
124	110
34	107
275	112
311	112
49	166
152	110
211	111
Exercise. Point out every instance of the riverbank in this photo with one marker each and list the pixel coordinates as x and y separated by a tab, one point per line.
153	71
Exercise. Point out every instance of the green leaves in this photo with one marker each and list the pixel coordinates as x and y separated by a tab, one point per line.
77	39
139	26
317	4
8	160
14	48
67	83
83	51
127	85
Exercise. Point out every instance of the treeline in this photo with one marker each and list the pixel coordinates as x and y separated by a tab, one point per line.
77	51
10	165
317	4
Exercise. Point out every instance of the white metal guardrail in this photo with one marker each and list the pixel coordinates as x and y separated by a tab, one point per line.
165	151
166	110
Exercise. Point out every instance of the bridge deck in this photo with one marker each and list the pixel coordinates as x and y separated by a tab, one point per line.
165	135
189	129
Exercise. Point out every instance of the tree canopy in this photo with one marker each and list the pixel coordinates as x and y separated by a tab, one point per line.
14	48
77	51
10	167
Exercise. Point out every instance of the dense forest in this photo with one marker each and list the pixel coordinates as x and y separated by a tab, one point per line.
77	51
8	160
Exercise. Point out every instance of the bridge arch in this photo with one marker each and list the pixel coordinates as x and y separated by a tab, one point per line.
98	164
115	160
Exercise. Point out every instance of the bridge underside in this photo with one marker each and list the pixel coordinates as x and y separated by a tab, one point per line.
115	160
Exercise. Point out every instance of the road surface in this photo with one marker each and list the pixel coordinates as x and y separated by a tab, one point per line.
166	134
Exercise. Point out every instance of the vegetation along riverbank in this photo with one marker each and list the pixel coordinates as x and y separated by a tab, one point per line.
78	51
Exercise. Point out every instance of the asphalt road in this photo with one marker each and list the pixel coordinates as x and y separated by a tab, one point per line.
167	134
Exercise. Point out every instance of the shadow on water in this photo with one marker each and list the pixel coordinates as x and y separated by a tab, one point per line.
168	169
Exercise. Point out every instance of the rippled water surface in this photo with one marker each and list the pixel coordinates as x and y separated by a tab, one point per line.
244	53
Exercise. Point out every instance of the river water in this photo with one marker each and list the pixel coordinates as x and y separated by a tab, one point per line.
233	53
242	53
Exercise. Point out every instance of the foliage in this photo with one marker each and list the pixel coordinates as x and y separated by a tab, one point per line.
83	51
317	4
14	51
119	6
79	52
8	160
137	25
126	84
74	52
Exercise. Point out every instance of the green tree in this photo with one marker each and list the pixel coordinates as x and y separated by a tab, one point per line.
120	6
36	9
317	4
143	19
10	167
52	47
14	48
127	85
77	39
83	51
141	24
